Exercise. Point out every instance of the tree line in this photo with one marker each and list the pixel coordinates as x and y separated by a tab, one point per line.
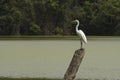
53	17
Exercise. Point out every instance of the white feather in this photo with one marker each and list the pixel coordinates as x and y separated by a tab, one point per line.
80	33
82	36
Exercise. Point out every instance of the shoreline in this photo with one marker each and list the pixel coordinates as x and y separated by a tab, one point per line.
11	78
57	37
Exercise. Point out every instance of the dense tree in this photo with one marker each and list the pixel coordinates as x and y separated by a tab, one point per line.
53	17
10	18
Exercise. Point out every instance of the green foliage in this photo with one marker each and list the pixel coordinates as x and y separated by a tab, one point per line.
17	19
34	29
5	22
117	29
40	17
58	31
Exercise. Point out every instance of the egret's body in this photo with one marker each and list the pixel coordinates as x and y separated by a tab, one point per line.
81	34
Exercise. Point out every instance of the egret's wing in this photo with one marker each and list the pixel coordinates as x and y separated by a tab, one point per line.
82	35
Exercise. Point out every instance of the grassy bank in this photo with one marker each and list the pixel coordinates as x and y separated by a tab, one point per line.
27	79
38	37
4	78
52	37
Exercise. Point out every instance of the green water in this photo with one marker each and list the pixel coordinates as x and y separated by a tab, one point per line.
50	58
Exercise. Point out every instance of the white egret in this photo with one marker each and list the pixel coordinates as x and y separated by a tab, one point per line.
80	33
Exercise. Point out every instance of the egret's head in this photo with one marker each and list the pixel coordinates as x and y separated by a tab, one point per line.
75	21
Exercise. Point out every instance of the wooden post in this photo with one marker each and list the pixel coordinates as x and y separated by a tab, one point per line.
74	65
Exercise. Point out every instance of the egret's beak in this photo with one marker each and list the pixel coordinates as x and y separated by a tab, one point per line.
74	21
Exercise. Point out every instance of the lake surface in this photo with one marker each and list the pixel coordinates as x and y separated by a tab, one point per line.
50	58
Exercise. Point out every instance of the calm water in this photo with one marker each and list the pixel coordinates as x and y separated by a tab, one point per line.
50	58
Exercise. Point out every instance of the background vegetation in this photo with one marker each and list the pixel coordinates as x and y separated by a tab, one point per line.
53	17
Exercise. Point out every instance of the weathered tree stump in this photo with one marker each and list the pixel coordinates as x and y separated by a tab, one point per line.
74	65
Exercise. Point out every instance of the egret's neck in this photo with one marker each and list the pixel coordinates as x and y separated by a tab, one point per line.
77	26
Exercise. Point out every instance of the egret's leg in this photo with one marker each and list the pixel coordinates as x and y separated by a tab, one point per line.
81	44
